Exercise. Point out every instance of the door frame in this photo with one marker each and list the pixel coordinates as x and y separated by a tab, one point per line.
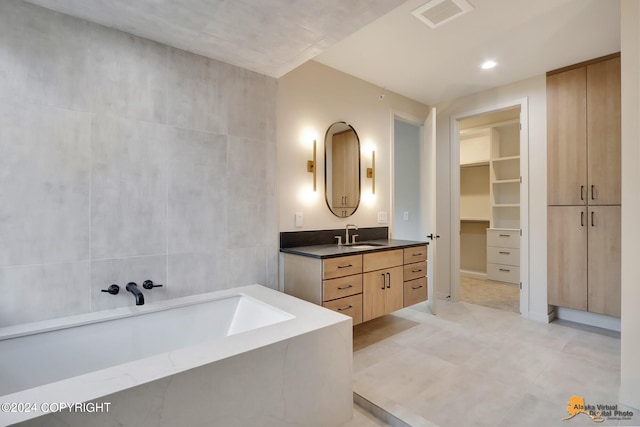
523	103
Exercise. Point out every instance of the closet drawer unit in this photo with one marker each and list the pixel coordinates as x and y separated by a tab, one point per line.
503	238
341	266
415	254
414	271
350	306
415	291
383	259
503	273
341	287
508	256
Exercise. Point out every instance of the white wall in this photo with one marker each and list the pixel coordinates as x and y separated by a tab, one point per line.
630	347
311	98
535	89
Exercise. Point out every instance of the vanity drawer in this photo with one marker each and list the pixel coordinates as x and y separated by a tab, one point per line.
508	256
350	306
341	287
415	270
415	291
381	260
342	266
503	273
503	238
415	254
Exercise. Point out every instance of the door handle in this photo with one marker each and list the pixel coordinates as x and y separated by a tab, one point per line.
592	198
582	192
581	218
384	282
432	237
592	224
389	282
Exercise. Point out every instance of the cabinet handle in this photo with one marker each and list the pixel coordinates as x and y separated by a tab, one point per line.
384	281
592	198
504	269
418	254
389	282
504	252
581	218
505	235
345	287
416	271
592	224
345	308
416	287
582	192
345	266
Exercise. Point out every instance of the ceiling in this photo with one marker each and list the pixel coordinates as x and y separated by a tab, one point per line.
271	37
525	37
376	40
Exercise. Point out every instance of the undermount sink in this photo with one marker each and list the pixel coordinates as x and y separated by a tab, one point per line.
364	245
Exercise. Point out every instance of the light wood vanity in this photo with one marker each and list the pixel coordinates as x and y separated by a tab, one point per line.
361	283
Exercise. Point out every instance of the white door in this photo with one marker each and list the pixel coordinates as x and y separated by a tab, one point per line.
428	201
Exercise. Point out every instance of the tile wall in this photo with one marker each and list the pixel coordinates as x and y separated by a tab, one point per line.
123	159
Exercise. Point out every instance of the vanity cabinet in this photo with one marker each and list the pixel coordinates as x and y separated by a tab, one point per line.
361	285
382	283
415	275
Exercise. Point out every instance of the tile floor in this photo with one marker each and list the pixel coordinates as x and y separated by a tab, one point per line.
489	293
476	366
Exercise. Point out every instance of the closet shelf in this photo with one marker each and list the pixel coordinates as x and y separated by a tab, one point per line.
507	181
505	159
507	205
472	219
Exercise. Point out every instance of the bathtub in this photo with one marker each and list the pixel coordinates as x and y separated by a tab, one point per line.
243	356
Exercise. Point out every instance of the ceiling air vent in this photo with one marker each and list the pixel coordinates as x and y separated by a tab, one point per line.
437	12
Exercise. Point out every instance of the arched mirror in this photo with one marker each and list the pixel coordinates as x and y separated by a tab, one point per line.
342	169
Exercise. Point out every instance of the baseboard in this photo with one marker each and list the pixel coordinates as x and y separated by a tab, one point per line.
473	274
586	318
541	317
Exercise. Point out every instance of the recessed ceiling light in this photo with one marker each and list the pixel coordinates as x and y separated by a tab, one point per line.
487	65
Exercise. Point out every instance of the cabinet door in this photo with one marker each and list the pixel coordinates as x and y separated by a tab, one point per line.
567	137
603	130
567	256
604	260
373	294
395	289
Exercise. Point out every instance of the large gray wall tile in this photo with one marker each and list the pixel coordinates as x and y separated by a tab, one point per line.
44	184
195	98
39	292
128	75
124	159
247	192
197	215
43	57
195	273
122	271
129	188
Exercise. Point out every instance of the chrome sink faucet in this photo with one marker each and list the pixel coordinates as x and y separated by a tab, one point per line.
346	233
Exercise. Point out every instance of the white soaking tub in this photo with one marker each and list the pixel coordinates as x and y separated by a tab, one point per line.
243	356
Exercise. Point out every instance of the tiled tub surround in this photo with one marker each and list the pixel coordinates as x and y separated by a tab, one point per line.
124	160
258	365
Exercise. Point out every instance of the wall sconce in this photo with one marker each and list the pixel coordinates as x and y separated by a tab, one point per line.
371	172
311	165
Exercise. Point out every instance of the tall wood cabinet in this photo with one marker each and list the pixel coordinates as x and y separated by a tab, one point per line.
583	177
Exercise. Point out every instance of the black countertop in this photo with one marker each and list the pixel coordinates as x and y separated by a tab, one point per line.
333	250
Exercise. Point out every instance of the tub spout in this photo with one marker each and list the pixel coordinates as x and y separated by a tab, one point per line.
133	288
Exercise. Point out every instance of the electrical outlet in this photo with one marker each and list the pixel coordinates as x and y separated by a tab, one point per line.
382	217
298	217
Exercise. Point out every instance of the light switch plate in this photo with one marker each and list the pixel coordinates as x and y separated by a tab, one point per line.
405	215
298	219
382	217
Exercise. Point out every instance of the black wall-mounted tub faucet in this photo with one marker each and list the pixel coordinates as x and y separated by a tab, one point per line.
133	288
